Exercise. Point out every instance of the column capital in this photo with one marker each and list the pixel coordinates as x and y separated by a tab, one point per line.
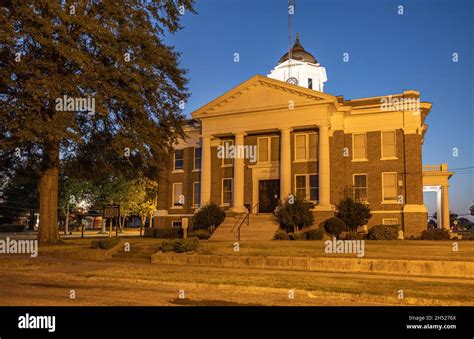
324	125
286	129
241	133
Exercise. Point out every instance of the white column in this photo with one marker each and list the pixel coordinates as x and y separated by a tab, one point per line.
439	209
239	163
205	170
324	169
285	163
445	207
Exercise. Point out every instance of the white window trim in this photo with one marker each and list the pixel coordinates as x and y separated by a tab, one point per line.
222	160
177	170
307	188
383	221
198	204
307	155
383	189
194	160
382	157
366	185
172	196
366	147
231	190
269	143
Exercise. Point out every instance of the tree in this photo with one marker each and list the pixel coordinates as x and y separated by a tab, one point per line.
56	57
452	217
334	226
353	213
208	217
294	214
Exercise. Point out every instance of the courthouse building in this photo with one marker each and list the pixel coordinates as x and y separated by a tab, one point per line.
306	142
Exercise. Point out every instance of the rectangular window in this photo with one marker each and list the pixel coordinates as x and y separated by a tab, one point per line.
310	83
313	187
275	149
226	160
197	158
263	150
178	159
390	221
176	224
300	147
313	146
389	147
227	191
389	182
178	198
359	146
360	187
196	194
301	186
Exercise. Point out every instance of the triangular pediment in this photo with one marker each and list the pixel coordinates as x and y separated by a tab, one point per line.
260	93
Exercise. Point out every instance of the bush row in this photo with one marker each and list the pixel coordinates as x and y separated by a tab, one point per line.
105	243
179	245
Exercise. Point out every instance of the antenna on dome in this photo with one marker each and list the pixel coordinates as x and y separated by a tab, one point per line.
291	11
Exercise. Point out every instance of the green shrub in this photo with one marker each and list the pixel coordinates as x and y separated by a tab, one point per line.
435	234
200	234
95	244
281	235
353	213
168	233
354	236
315	234
296	236
179	245
208	217
149	232
334	226
383	232
106	243
295	216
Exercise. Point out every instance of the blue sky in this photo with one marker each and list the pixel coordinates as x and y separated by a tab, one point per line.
389	53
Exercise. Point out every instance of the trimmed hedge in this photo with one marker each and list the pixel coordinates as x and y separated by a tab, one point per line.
106	243
180	245
355	236
281	235
334	226
164	233
316	234
383	232
200	234
435	234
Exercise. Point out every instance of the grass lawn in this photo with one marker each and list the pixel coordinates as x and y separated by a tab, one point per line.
396	249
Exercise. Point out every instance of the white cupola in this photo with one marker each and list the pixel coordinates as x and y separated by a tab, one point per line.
300	69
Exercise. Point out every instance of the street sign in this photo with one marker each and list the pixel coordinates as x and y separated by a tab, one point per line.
111	212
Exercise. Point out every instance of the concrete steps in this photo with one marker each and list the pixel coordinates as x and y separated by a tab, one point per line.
261	227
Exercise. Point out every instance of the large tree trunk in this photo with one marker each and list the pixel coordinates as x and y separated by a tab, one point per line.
48	191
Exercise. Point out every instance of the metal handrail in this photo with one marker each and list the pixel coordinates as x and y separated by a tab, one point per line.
246	217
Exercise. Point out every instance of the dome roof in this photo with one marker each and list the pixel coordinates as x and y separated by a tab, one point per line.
298	53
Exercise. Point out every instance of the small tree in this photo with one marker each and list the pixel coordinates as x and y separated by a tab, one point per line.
353	213
209	217
294	214
334	226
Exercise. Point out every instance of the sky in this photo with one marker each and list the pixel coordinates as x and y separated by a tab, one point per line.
388	54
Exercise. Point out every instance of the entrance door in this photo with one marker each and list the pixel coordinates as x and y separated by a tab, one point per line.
268	195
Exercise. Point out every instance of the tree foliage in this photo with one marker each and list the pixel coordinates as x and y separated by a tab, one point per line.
294	216
109	51
353	213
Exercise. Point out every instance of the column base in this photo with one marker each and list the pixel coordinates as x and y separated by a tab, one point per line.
238	209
